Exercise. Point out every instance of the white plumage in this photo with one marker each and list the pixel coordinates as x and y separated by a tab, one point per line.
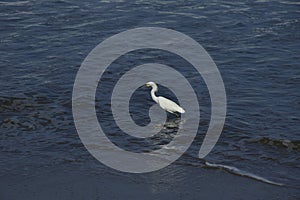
163	102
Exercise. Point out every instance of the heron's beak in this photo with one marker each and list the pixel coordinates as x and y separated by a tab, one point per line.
147	85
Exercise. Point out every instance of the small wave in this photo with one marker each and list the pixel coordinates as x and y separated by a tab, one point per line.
239	172
290	2
18	3
195	16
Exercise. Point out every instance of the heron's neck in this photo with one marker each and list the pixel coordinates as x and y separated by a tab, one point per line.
154	89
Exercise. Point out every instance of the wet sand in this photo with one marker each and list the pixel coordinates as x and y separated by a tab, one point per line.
73	183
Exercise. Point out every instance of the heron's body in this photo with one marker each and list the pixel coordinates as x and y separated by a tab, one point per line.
163	102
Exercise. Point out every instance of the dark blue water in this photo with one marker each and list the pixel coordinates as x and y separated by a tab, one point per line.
255	44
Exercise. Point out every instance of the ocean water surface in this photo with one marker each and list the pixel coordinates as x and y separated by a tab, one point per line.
255	45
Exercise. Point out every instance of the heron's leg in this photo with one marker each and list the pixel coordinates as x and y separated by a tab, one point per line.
174	113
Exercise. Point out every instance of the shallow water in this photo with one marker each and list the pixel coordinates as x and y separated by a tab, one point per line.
255	45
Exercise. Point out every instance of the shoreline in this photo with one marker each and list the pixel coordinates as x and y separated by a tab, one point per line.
71	182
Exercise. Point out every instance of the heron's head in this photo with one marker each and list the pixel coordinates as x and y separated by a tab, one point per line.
153	85
150	84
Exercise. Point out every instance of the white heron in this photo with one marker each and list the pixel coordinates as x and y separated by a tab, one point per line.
163	102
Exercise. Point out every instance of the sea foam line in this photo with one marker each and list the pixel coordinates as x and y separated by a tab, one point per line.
239	172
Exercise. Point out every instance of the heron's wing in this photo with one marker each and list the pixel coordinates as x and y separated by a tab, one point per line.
169	105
